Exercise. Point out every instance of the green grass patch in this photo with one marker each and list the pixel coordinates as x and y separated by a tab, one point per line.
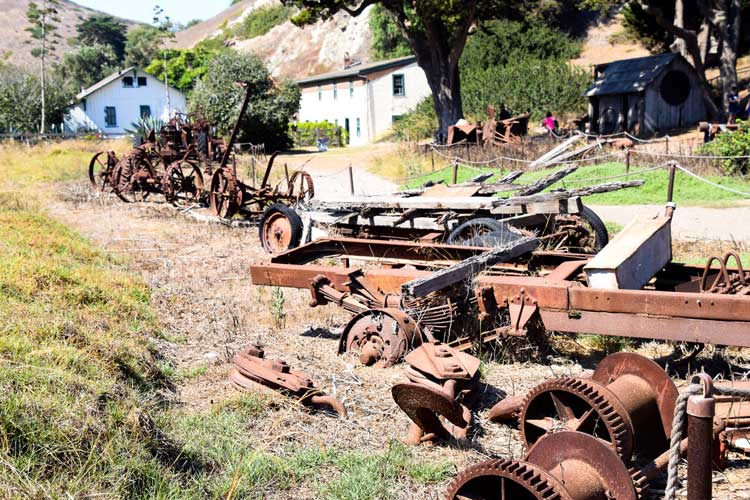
254	461
688	190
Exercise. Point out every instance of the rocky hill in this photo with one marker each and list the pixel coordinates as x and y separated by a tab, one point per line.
291	51
16	42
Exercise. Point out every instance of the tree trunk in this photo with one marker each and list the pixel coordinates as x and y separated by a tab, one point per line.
729	28
679	46
445	83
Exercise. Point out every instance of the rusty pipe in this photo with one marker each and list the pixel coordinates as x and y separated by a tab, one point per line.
701	410
326	400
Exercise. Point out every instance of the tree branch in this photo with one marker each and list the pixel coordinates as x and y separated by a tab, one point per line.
358	10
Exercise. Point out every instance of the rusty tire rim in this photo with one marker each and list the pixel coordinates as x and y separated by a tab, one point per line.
574	404
225	197
101	172
277	233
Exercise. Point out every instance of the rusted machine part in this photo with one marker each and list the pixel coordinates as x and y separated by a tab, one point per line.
562	466
380	337
183	183
725	281
442	389
628	403
226	193
101	169
300	187
507	409
701	410
135	177
252	368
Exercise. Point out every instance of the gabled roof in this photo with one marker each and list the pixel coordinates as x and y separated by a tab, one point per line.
629	75
359	70
106	81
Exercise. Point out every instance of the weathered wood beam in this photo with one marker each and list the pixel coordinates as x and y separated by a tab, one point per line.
546	182
605	188
468	268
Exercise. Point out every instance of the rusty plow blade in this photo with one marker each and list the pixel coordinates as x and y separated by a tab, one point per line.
252	372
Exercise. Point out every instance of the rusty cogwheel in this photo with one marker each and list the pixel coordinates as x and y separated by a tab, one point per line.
504	480
573	404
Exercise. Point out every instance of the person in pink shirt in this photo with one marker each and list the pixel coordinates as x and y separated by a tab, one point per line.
550	122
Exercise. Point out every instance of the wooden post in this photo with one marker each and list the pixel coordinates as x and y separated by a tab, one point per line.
455	172
432	157
351	180
666	142
627	160
468	151
286	174
252	169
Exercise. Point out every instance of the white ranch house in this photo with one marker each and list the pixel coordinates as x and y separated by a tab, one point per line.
112	105
364	99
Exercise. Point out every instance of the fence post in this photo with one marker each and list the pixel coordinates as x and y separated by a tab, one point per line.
286	174
432	157
666	142
351	180
252	169
627	160
455	172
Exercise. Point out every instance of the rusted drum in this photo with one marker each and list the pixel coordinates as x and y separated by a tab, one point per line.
380	337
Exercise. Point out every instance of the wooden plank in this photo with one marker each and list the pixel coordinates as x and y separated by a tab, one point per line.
546	182
468	268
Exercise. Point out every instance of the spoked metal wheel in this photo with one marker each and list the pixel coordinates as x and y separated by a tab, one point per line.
580	233
183	183
226	194
483	231
101	170
301	187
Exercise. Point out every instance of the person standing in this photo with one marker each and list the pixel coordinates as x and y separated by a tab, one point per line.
733	105
550	122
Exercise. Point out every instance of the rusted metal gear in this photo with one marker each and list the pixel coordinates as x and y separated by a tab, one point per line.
563	466
573	404
628	402
380	337
504	480
226	193
182	183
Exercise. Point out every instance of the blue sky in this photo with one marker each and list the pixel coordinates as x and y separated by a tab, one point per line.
180	11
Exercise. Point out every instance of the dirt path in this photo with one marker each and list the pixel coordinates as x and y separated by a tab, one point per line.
689	223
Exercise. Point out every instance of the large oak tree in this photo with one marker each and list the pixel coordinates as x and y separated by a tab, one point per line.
436	30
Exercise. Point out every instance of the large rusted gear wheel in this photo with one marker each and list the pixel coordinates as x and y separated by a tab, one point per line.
575	404
380	337
505	480
182	183
226	195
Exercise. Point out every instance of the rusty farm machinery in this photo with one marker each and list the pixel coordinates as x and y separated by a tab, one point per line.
187	164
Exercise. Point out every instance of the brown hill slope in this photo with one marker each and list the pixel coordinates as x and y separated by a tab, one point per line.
291	51
15	41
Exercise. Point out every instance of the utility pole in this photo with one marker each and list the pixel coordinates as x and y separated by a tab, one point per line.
44	75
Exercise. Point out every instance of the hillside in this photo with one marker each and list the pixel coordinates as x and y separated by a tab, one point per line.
15	42
291	51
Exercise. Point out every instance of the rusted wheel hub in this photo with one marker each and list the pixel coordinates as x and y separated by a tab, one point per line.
380	337
277	233
563	466
628	404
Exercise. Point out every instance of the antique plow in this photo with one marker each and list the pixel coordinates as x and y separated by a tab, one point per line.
228	195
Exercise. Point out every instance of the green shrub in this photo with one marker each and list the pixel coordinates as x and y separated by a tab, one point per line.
418	124
217	98
307	133
184	66
262	20
735	143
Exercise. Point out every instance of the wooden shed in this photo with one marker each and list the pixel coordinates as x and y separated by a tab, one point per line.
645	96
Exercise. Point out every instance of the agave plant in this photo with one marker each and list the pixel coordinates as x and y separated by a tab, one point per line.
141	129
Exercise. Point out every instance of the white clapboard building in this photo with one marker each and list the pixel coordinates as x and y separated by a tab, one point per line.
112	105
364	99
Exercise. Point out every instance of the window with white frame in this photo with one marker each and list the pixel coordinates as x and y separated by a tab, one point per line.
127	82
